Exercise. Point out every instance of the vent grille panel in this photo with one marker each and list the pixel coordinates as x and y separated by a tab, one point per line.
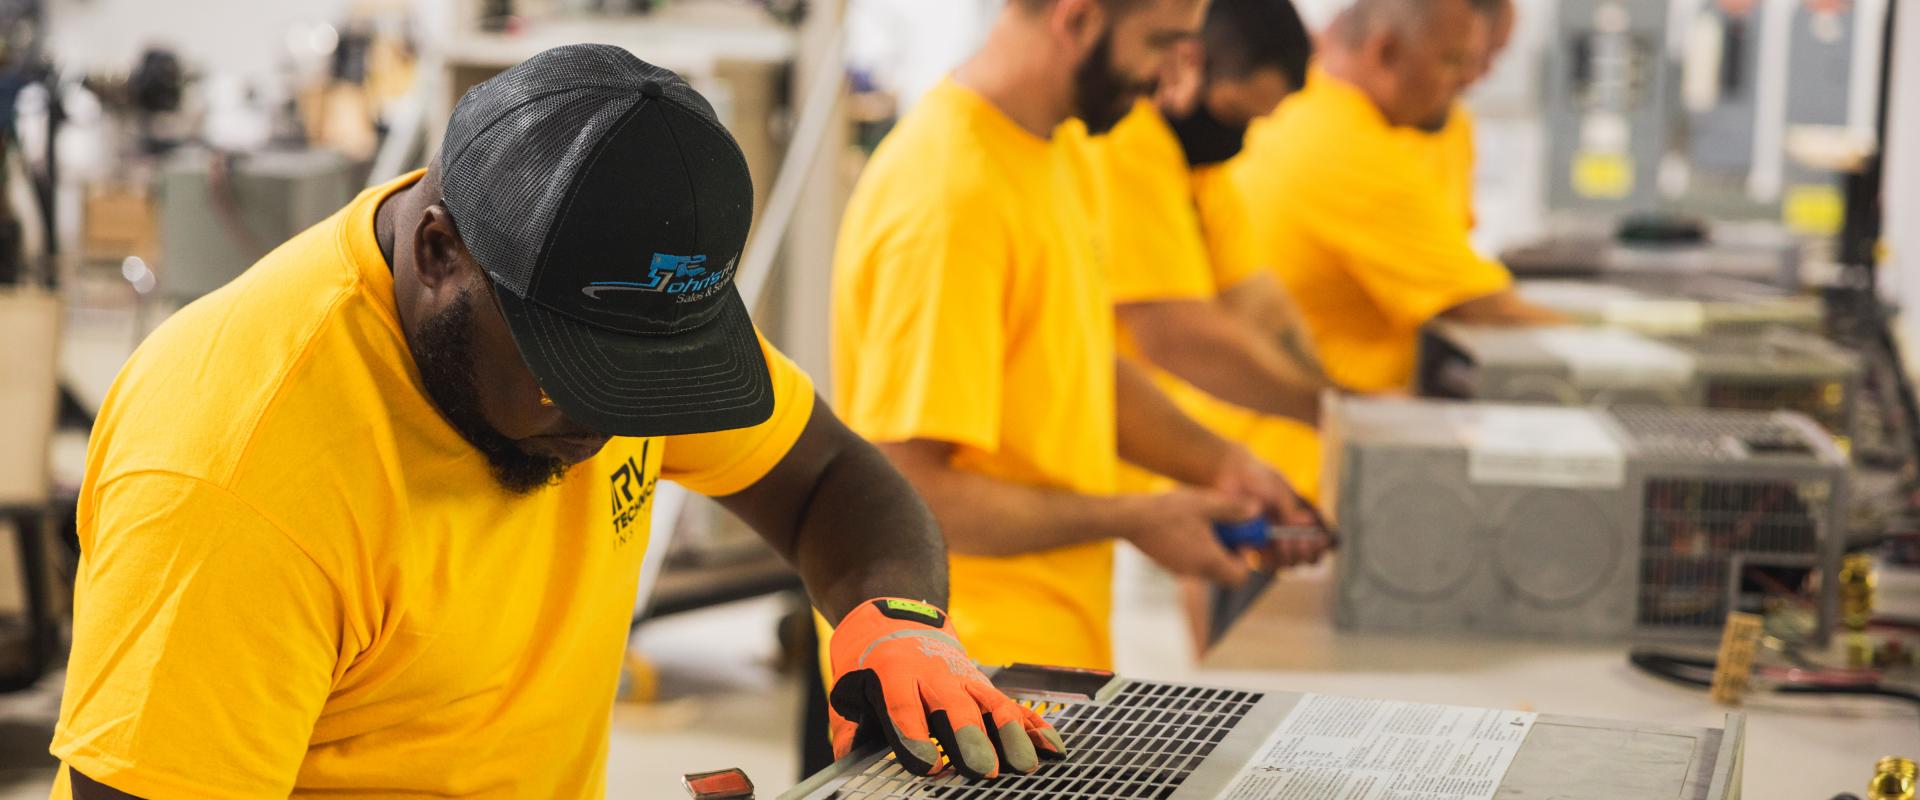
1699	532
1143	743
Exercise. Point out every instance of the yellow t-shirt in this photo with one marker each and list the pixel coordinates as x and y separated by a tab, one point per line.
1359	229
1153	221
296	579
1181	233
1450	151
971	306
1232	250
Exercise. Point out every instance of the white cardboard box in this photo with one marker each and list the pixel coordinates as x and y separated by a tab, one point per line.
29	342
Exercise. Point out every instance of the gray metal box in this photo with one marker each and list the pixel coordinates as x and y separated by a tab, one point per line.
1757	252
1677	304
1775	369
218	216
1142	739
1578	523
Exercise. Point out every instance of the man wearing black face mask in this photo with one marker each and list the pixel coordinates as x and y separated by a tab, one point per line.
973	338
1183	259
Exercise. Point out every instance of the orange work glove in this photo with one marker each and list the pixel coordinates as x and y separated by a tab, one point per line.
900	677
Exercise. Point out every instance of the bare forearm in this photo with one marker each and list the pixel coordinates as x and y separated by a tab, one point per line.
1260	301
1503	308
986	516
1225	356
866	534
847	521
1156	435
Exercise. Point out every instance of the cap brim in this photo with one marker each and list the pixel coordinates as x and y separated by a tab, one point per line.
710	378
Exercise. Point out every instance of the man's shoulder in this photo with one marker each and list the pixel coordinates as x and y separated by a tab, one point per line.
1323	149
194	395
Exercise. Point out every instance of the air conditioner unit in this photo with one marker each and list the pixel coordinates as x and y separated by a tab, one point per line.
1677	304
1580	523
1778	369
1144	739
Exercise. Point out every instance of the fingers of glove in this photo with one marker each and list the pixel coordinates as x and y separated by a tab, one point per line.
841	730
955	721
891	707
1006	726
1045	739
906	725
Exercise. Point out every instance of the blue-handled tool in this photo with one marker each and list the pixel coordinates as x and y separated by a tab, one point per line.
1246	534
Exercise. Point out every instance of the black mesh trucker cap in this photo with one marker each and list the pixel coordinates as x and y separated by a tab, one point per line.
609	207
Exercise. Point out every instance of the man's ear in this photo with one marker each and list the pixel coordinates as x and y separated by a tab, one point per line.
1078	24
1385	47
440	258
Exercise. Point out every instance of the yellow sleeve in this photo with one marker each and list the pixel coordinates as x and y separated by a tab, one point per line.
204	645
1404	242
725	462
1231	247
929	358
1157	250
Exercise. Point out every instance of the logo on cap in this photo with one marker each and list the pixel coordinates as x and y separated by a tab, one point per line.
686	277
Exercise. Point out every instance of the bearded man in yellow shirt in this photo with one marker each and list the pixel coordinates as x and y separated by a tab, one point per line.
369	520
973	337
1351	216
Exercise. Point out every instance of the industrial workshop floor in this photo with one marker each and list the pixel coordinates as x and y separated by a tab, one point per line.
720	704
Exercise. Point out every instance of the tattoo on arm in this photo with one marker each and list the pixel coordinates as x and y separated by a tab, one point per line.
1301	352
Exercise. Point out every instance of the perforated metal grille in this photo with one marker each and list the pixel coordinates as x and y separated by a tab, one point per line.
1826	401
1143	743
1710	543
1698	435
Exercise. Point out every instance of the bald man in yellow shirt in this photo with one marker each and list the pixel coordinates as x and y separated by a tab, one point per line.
1451	148
973	338
1354	220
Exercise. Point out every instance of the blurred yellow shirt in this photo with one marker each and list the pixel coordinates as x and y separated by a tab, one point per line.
1359	228
1180	233
1233	252
971	306
296	579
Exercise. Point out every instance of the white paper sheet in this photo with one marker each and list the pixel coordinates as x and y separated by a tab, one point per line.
1540	446
1346	748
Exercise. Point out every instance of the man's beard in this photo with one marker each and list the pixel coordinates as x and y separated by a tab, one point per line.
443	349
1102	96
1436	124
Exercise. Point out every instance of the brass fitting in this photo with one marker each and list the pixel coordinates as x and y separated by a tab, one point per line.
1892	780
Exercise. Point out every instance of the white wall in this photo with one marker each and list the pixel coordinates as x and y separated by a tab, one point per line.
245	38
1901	271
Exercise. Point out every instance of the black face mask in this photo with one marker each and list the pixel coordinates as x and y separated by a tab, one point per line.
1205	138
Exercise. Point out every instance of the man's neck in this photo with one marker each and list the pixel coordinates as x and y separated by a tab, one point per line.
1010	71
386	223
1342	66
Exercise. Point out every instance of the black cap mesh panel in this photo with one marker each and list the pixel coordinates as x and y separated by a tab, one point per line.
514	140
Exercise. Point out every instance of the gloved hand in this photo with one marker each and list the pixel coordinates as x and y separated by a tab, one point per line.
900	676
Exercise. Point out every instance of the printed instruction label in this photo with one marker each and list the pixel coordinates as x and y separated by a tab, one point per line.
1541	446
1347	748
